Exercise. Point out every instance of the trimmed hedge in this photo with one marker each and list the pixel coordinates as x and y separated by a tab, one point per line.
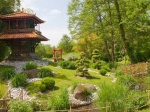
49	83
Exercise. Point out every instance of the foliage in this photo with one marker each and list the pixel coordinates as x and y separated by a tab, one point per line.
30	65
7	74
67	65
120	98
82	65
48	82
65	44
127	80
87	43
42	87
19	80
120	29
96	65
113	65
44	51
20	106
102	71
95	55
60	101
3	88
45	72
4	51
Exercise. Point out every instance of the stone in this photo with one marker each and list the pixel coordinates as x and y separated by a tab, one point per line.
31	73
91	87
80	93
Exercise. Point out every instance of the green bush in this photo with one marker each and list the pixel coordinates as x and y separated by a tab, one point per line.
59	102
19	80
113	65
111	93
42	87
7	74
4	51
96	65
20	106
67	65
45	72
127	80
117	74
30	65
49	83
102	71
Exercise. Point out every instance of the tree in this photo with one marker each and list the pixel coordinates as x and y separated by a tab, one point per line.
113	20
6	7
44	51
65	44
82	66
87	43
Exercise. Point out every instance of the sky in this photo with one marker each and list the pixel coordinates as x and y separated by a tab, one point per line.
54	13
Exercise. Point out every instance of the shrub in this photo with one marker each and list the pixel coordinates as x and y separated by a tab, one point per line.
4	50
30	65
96	65
59	102
117	74
45	72
72	66
111	93
127	80
42	87
20	106
67	65
102	71
19	80
7	74
49	83
112	65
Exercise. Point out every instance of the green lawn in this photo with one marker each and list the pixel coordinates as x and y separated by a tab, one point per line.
64	79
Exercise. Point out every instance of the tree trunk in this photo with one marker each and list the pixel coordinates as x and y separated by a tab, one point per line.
107	50
127	45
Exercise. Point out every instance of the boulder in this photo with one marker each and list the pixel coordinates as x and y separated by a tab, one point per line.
90	87
81	93
31	73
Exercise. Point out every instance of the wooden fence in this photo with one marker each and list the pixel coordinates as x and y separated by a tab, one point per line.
4	105
4	102
137	69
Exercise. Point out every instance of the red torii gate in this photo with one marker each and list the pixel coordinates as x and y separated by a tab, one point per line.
55	51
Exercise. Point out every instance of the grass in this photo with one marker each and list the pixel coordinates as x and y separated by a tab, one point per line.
3	88
64	79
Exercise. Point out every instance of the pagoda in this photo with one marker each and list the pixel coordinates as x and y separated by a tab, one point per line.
21	32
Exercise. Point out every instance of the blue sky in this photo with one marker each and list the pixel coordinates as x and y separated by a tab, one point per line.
54	13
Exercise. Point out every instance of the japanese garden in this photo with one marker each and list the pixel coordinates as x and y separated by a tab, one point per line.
103	65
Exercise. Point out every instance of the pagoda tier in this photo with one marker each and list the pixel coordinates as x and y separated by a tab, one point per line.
21	34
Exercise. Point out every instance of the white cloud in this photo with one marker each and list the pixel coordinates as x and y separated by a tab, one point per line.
55	12
54	35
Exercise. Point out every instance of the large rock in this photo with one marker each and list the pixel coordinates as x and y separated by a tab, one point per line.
90	87
31	73
81	93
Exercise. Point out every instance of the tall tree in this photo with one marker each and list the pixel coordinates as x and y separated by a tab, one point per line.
65	44
107	17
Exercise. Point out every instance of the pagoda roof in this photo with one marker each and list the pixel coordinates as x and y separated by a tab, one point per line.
28	35
22	14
